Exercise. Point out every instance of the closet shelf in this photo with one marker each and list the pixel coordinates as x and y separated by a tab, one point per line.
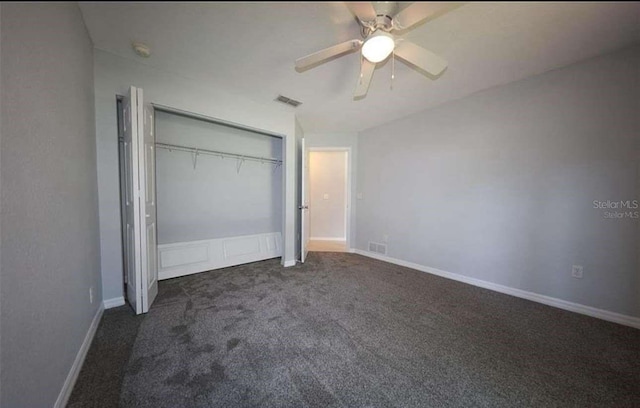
196	150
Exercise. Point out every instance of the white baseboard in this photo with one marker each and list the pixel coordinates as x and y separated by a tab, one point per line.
186	258
115	302
535	297
65	393
287	264
327	239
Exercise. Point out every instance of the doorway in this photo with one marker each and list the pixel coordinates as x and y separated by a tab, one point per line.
329	199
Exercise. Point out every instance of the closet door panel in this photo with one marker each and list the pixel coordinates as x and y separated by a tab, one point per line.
147	174
132	204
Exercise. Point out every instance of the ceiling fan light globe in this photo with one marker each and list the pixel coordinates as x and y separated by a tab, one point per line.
378	46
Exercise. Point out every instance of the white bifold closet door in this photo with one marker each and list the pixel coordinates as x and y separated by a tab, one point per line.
140	202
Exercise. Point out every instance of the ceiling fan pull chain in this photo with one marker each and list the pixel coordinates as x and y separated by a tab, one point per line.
393	68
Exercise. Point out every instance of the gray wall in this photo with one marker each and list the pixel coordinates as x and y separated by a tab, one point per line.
50	249
214	200
327	194
499	186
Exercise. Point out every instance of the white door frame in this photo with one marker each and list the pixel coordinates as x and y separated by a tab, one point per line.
305	220
348	185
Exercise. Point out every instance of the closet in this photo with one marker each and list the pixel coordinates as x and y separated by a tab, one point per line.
219	194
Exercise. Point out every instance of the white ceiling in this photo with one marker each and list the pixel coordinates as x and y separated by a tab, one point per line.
250	49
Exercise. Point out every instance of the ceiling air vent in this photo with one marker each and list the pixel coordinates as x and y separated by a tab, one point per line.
288	101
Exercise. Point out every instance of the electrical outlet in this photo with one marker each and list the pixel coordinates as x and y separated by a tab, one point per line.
91	295
576	271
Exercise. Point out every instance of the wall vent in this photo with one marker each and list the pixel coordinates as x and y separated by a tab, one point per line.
378	248
288	101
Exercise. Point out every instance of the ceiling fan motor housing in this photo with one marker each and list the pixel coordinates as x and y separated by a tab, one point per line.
382	22
385	10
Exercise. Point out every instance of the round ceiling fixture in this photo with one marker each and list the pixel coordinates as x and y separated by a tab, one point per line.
378	46
141	49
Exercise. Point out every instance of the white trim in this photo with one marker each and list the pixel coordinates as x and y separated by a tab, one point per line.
65	393
327	239
111	303
330	149
287	264
535	297
186	258
352	250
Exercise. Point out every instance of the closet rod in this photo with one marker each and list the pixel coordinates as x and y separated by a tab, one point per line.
217	153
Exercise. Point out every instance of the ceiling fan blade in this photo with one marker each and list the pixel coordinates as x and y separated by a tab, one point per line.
321	56
419	11
421	58
366	73
362	9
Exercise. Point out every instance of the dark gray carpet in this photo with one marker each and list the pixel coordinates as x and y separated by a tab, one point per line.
344	330
100	380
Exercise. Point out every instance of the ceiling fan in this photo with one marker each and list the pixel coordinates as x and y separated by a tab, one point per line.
378	21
